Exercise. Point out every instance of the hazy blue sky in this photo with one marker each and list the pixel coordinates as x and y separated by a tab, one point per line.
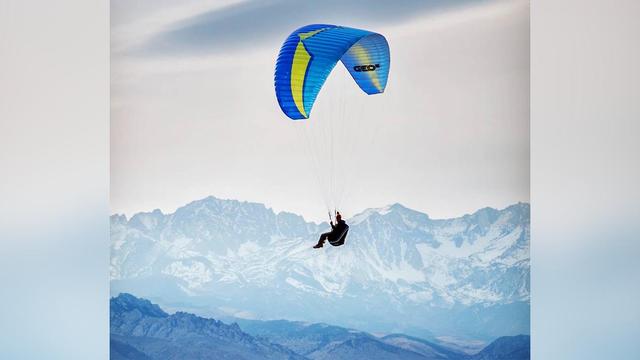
193	110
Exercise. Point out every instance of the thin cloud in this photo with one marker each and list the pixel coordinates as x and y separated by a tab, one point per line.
246	24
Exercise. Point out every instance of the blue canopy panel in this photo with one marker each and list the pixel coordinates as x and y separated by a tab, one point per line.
309	55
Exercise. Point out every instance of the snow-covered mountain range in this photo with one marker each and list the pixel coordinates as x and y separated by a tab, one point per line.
399	271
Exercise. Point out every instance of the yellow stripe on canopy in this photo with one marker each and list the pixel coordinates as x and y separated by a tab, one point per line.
299	66
298	70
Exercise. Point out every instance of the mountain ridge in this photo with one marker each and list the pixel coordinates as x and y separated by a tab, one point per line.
383	208
142	330
159	335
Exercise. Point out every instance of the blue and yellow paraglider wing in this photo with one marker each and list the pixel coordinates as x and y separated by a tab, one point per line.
309	55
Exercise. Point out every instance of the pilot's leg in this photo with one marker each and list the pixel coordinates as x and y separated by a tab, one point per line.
322	239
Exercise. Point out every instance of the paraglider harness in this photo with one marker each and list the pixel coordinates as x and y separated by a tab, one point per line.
341	233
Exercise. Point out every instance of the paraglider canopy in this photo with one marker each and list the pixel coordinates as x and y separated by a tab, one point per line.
306	59
309	55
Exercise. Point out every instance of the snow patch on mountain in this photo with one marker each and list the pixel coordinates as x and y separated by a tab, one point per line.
194	273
